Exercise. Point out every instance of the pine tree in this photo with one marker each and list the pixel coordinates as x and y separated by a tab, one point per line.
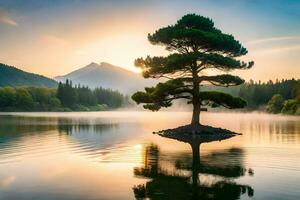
196	46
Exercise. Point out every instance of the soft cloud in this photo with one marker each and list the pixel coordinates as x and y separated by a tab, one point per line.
278	50
7	181
6	19
274	45
274	39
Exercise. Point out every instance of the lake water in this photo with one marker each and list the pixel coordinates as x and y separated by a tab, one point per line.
114	155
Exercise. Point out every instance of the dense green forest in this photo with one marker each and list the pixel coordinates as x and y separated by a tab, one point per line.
274	97
65	98
22	91
12	76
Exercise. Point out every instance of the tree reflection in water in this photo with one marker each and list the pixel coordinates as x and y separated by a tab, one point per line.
211	178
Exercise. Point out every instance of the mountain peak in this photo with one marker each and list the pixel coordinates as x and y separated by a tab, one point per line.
107	75
93	63
105	63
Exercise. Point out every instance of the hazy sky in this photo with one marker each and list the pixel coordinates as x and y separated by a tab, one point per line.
54	37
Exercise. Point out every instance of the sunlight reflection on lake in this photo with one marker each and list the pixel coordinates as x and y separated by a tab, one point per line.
104	155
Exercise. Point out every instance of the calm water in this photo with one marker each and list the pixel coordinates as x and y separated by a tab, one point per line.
114	155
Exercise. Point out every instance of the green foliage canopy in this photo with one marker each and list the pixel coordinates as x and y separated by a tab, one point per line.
65	98
196	46
275	104
70	96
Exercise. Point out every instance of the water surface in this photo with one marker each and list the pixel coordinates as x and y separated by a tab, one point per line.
114	155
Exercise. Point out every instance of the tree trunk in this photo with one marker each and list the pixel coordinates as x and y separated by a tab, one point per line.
196	99
196	114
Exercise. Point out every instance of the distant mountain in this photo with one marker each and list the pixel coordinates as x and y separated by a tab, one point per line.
12	76
107	76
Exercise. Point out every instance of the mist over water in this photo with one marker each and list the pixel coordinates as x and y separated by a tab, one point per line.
104	155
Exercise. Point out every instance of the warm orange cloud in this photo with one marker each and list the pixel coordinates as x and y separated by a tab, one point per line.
6	19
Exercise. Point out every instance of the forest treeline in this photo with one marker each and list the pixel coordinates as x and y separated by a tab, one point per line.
64	98
275	97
